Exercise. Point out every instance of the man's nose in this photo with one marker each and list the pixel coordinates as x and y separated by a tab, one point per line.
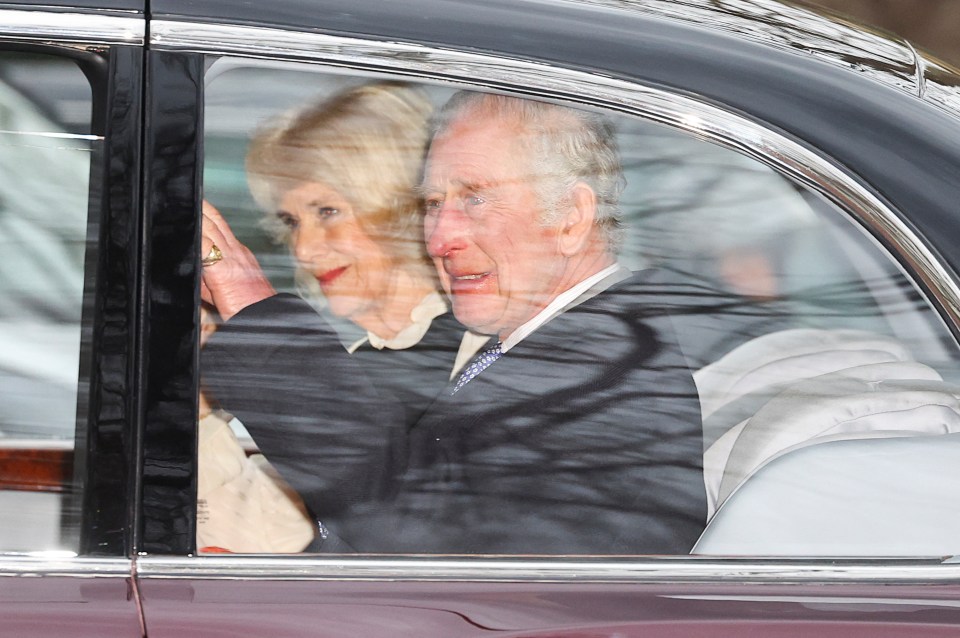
446	230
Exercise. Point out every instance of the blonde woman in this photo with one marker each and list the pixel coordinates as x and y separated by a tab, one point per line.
337	182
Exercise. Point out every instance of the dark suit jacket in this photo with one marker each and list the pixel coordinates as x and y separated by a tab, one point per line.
414	376
585	438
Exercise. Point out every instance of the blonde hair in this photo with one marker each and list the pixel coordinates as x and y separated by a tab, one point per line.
367	143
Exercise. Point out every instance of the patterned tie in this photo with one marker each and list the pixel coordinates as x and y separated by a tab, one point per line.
478	365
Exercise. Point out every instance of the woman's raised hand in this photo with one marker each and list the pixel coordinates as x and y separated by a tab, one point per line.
232	277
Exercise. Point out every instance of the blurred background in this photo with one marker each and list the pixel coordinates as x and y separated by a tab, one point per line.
933	25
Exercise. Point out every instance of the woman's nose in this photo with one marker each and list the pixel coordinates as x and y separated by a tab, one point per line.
308	244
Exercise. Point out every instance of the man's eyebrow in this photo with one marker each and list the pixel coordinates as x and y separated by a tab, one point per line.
478	185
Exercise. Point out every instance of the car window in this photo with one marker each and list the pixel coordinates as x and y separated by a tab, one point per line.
403	370
45	151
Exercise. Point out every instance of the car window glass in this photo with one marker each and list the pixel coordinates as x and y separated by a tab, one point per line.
45	151
745	322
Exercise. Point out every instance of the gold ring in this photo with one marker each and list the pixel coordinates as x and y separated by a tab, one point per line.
214	256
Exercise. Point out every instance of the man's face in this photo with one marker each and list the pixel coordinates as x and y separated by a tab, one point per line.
482	227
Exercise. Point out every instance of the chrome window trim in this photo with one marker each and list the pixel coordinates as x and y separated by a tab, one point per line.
797	29
944	94
79	28
548	569
477	70
803	31
55	565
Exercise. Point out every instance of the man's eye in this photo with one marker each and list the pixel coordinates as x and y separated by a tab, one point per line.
474	200
326	212
432	205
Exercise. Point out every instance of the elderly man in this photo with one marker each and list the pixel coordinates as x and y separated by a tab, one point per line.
577	431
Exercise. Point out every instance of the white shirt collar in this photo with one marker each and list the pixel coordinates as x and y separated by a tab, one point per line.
470	345
422	315
557	306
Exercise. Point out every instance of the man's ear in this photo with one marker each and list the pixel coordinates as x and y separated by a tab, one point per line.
576	230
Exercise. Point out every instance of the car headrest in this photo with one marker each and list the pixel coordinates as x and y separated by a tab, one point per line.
779	358
840	405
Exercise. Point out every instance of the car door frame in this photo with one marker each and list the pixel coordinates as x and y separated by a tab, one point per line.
108	46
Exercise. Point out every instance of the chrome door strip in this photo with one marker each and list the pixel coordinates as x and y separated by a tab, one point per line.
56	564
549	569
543	81
81	28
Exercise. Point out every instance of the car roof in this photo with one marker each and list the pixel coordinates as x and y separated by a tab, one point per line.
541	27
549	24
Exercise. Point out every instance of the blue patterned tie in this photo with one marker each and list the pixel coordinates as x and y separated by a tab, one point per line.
478	365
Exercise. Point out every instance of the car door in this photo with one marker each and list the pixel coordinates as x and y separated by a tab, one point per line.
70	112
770	216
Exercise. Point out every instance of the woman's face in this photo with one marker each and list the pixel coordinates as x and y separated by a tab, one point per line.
328	241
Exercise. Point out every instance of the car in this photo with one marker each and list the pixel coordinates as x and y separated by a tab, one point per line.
796	176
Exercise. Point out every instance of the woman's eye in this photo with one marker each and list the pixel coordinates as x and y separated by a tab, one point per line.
326	212
288	220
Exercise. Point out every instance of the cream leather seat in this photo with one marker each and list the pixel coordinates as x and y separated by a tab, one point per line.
865	497
777	405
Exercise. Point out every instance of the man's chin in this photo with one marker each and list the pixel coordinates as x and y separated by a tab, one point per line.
479	320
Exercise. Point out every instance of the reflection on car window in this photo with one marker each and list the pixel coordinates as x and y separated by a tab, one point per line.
43	246
475	324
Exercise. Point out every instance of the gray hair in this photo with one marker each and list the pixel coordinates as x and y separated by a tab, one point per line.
568	146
